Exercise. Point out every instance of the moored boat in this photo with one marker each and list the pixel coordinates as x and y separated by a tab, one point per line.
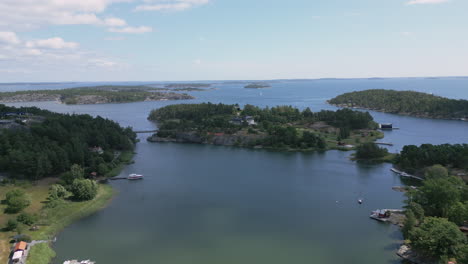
135	176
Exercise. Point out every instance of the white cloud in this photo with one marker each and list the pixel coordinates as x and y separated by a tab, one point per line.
37	55
52	43
31	14
115	22
9	37
170	5
131	30
419	2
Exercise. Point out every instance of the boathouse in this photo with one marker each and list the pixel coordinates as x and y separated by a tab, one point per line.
386	126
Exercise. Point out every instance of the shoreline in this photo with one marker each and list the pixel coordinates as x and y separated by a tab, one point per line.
397	113
156	139
61	102
63	216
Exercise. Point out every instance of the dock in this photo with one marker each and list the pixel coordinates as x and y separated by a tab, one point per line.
74	261
384	143
118	178
146	131
394	216
407	175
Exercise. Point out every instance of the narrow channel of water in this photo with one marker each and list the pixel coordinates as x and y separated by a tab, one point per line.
209	204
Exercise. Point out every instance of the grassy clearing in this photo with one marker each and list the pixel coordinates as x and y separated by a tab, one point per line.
124	159
51	220
41	254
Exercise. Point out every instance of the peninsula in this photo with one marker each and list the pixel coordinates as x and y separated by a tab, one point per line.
279	128
50	164
405	103
95	95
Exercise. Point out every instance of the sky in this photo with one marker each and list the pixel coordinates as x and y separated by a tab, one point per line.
162	40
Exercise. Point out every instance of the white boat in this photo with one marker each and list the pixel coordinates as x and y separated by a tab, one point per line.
134	176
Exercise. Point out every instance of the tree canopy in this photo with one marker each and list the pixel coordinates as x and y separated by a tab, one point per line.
49	147
405	102
412	157
284	126
370	151
437	237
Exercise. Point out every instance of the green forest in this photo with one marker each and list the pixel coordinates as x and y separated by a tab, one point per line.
50	146
413	158
434	213
437	208
279	127
405	102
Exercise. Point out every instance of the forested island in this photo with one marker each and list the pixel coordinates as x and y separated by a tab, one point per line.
280	127
96	95
405	103
49	166
257	85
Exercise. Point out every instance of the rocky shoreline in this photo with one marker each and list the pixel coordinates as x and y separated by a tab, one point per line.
221	139
88	99
405	252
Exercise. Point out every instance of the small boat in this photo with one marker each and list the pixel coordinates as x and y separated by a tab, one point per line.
134	176
360	201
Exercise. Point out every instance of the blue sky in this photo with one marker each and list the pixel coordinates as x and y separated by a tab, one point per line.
150	40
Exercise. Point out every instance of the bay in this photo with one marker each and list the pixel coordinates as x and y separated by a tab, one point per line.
210	204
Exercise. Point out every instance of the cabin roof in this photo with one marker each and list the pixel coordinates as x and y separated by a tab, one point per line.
21	246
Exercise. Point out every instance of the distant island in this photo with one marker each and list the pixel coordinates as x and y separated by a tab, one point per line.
94	95
405	103
257	85
187	85
278	128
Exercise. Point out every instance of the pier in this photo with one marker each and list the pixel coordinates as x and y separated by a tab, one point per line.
384	143
404	174
146	131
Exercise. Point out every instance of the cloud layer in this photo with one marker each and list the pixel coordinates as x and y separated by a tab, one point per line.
18	55
169	5
420	2
31	14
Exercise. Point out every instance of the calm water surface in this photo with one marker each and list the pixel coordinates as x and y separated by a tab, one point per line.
208	204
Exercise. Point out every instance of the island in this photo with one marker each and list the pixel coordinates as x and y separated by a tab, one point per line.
94	95
51	166
405	103
279	128
257	85
187	85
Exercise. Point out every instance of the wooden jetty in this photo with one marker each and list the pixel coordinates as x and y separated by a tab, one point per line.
384	143
404	174
145	131
74	261
118	178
